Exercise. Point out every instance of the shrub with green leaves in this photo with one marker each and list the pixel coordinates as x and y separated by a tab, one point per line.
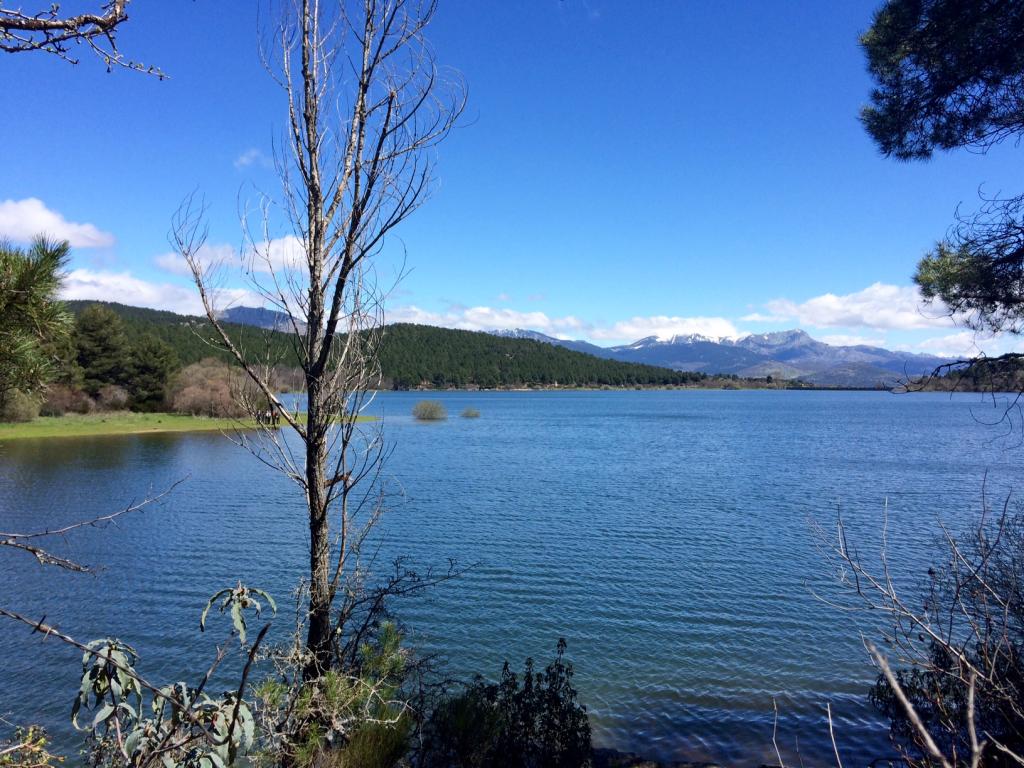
355	716
530	722
182	726
234	601
429	410
28	748
16	406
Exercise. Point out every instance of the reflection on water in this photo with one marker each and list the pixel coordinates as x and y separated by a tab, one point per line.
665	535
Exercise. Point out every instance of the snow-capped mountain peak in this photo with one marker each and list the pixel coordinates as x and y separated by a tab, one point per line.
787	354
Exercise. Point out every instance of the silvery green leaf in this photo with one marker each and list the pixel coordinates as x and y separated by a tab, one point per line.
102	714
132	742
268	598
238	620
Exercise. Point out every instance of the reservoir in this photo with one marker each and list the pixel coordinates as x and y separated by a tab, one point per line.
673	538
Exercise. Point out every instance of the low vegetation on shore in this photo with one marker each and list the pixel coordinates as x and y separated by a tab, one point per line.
114	423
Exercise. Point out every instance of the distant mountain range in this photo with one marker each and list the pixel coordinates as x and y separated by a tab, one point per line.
258	317
789	354
784	355
410	356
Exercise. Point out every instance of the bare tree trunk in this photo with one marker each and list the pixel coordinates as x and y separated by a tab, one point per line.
318	638
365	104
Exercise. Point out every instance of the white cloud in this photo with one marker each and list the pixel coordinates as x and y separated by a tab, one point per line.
665	327
125	288
22	220
286	253
758	317
208	256
252	157
567	327
485	319
962	344
969	343
879	306
282	254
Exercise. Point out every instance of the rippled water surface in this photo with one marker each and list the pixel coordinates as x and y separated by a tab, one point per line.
666	535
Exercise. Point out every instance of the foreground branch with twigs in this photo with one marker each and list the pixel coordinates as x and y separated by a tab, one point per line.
951	677
53	32
26	542
188	727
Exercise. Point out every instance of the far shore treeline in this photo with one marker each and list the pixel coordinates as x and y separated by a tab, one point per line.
411	356
118	357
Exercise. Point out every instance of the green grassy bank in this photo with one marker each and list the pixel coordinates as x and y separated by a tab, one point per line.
116	423
119	423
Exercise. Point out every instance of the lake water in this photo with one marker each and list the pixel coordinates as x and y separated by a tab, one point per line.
666	535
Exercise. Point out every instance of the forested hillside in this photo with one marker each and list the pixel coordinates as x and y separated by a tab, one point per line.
414	355
190	336
441	357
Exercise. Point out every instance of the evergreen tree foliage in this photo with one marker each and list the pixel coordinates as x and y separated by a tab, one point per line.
103	350
152	363
189	336
32	321
950	74
421	355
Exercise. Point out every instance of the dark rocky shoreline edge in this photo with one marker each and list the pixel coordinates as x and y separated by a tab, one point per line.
603	757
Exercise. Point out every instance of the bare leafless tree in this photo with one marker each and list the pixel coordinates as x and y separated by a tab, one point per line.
365	105
50	31
956	697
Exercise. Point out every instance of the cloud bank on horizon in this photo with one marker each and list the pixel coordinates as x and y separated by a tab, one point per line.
867	316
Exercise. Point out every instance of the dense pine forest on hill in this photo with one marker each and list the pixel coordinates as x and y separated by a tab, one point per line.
417	355
188	335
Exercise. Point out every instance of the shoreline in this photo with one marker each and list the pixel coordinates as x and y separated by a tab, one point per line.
606	757
647	388
116	423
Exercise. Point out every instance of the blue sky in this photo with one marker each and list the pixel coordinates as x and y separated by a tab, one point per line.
623	169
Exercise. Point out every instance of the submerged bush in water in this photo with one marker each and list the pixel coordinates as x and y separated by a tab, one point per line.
471	413
429	410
